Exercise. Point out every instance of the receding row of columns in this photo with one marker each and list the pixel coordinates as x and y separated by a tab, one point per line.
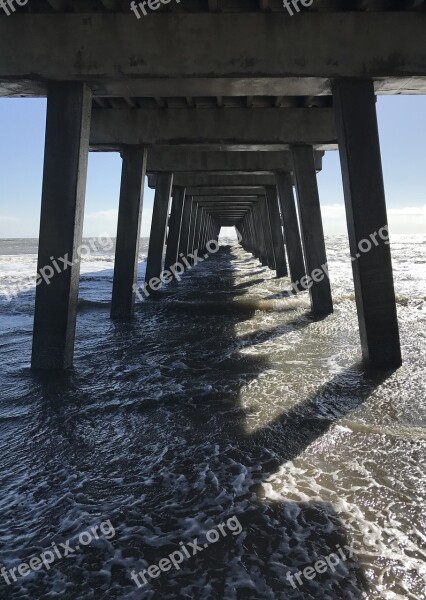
268	224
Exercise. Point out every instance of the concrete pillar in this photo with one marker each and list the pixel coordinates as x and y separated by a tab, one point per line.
291	226
255	237
201	243
267	232
206	232
154	263
61	223
366	216
243	234
260	232
194	218
312	230
128	232
277	232
250	238
196	244
184	230
174	227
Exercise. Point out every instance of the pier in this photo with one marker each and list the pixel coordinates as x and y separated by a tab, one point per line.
227	108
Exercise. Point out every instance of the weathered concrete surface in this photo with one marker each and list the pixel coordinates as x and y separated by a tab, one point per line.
184	228
226	200
268	235
120	55
217	147
128	232
193	162
197	233
366	215
61	225
227	191
312	230
267	126
157	237
291	226
175	221
262	235
223	179
276	229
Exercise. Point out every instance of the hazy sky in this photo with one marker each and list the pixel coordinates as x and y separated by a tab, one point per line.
402	122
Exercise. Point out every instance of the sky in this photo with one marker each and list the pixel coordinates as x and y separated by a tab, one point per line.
402	125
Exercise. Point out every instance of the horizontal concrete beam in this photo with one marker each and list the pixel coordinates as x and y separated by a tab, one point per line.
207	192
120	55
241	147
225	215
216	180
192	162
231	200
212	126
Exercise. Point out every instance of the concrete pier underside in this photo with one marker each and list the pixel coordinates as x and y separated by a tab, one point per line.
235	138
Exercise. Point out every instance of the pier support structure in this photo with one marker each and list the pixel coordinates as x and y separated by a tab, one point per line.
366	215
184	229
157	238
268	234
128	232
291	227
175	221
312	231
277	232
61	224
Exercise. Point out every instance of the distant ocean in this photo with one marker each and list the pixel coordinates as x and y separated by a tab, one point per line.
222	398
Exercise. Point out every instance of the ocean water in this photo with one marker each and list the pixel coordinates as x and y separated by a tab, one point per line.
223	398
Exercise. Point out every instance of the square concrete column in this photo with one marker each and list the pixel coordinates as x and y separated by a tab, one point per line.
260	232
128	232
291	226
194	218
254	232
157	238
197	231
255	245
184	230
312	230
366	215
61	223
202	241
267	233
277	232
174	227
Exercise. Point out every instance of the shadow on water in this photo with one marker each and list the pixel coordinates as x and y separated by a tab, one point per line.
150	432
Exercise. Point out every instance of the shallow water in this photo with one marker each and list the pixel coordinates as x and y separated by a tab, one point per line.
222	398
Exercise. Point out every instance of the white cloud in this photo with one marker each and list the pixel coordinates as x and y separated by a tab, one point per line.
417	211
333	211
407	219
8	218
101	221
102	214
